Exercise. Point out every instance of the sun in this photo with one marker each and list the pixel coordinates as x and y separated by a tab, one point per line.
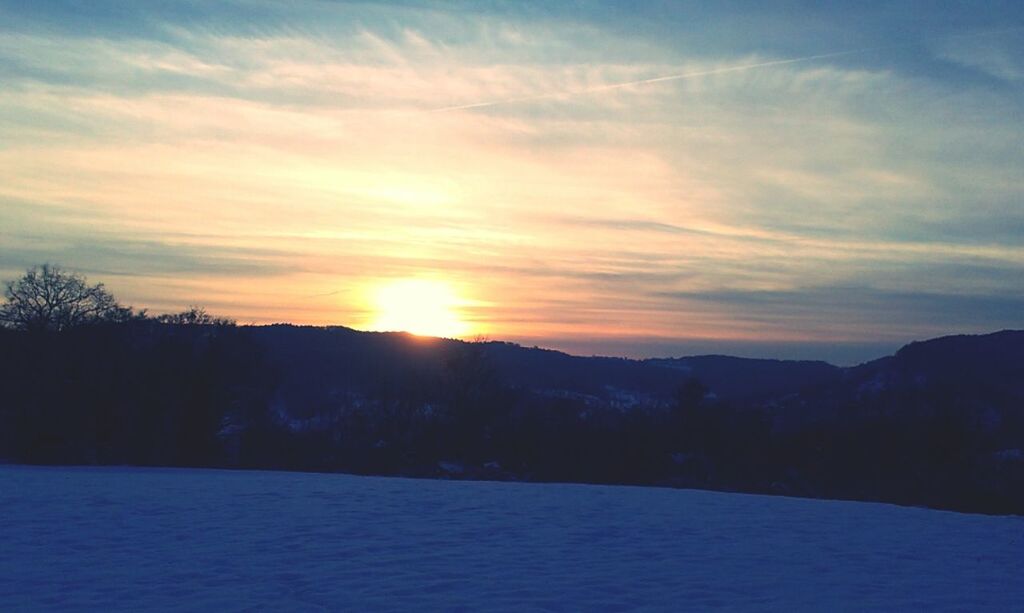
425	307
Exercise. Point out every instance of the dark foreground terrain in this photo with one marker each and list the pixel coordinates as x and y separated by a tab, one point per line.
939	424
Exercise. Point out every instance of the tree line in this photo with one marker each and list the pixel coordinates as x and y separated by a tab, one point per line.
49	299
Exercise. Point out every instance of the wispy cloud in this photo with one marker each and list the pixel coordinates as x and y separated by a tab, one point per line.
585	180
649	81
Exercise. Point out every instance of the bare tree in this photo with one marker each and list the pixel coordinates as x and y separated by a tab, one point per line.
47	298
196	316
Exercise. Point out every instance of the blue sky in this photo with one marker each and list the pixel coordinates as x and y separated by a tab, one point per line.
654	178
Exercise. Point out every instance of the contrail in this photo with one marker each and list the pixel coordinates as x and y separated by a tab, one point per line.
674	77
713	71
321	295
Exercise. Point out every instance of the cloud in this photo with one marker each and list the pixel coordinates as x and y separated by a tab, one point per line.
641	186
38	233
889	313
598	89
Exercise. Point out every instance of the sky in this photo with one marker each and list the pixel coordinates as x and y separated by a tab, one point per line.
798	180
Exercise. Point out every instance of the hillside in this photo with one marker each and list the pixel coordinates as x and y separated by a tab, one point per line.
346	355
144	539
939	424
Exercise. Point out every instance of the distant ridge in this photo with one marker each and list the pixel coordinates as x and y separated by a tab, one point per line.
938	423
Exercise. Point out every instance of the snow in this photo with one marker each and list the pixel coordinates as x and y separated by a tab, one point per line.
130	539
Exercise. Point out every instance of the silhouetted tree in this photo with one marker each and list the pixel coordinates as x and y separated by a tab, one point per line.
49	299
196	316
475	397
688	421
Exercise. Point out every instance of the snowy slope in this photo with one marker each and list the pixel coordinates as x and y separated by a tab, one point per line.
85	538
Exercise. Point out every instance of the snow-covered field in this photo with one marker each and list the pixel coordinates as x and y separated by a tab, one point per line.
134	539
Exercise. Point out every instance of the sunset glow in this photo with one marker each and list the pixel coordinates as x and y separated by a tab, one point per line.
639	178
423	307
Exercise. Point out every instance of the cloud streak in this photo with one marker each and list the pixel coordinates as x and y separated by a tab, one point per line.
661	79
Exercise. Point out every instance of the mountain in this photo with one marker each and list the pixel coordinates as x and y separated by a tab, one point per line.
984	364
346	356
939	424
980	374
743	379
